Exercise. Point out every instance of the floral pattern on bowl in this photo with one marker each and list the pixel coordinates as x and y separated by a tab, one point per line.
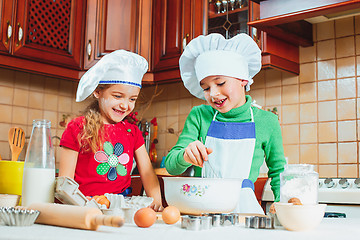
194	190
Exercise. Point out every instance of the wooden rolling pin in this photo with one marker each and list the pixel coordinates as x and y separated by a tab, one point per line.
74	216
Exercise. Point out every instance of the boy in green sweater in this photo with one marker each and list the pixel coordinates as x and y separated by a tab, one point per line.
238	137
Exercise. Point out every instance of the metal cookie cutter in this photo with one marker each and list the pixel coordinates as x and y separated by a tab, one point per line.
259	222
223	219
216	220
196	223
228	219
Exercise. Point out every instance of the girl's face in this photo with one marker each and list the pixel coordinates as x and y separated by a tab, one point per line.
224	93
116	102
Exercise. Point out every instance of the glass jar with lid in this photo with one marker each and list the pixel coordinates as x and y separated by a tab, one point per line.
299	181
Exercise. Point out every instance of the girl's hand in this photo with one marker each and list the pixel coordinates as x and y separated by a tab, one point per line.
157	206
148	178
196	153
272	209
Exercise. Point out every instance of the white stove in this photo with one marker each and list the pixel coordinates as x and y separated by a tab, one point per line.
342	196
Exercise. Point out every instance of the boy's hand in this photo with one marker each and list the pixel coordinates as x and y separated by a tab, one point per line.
196	153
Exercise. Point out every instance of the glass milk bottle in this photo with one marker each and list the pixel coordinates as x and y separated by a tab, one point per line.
299	181
39	168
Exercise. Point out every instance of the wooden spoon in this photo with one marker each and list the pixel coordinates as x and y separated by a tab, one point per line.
16	141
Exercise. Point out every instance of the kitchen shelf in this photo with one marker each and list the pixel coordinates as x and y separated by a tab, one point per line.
216	15
235	21
276	54
292	26
210	29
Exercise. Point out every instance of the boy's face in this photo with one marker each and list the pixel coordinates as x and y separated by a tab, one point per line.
116	102
224	93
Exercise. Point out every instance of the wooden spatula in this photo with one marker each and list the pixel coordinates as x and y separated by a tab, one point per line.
16	141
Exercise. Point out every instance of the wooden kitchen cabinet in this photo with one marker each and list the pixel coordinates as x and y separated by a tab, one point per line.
276	53
110	25
48	32
64	38
6	18
175	23
118	24
43	37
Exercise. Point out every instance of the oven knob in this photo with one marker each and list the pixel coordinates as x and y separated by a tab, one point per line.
343	182
329	183
357	182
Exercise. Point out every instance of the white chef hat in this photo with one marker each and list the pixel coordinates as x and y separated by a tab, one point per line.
118	67
238	57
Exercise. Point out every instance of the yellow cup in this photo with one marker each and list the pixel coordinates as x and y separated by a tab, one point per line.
11	177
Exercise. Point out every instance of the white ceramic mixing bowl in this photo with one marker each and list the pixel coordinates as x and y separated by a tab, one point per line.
300	217
202	195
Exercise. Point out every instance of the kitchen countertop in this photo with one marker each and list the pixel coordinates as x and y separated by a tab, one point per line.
330	228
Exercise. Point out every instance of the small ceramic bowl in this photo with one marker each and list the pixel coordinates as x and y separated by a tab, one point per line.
9	200
299	217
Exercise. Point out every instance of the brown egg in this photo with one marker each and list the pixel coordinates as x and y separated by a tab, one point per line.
145	217
101	199
104	201
295	201
171	215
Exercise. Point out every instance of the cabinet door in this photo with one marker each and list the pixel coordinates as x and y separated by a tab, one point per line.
50	31
176	22
6	18
90	57
111	25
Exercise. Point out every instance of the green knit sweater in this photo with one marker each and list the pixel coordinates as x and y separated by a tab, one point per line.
268	143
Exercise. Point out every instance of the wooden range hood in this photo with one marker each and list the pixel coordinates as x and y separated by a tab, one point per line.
287	19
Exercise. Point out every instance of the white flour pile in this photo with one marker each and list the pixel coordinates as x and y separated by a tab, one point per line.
305	189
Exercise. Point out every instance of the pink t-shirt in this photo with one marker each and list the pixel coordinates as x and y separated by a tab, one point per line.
108	170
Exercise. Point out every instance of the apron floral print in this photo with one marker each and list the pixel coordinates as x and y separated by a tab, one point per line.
112	161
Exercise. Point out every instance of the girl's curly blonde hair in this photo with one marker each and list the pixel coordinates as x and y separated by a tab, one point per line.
93	135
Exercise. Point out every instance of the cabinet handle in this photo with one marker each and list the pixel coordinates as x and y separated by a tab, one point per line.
89	49
9	32
185	41
20	34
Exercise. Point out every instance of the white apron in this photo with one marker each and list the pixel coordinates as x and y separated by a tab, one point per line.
233	145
